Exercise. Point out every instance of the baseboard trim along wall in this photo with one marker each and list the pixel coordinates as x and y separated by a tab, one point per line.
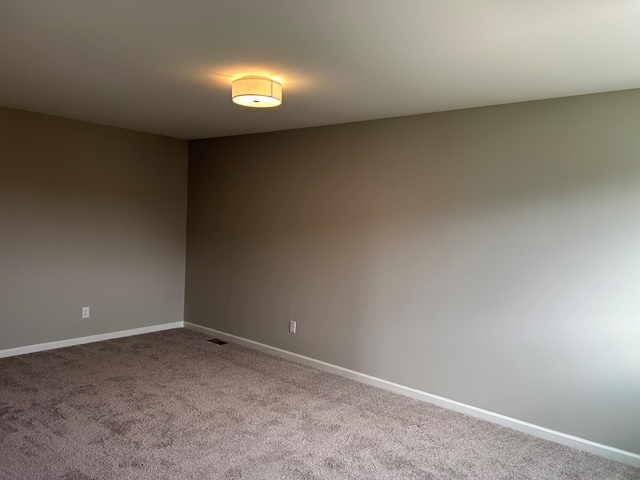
40	347
606	451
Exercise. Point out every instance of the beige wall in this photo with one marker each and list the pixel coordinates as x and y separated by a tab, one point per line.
491	256
89	216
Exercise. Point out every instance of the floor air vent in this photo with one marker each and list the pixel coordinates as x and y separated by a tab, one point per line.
217	340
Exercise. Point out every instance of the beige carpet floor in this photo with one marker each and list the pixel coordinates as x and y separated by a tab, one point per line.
171	405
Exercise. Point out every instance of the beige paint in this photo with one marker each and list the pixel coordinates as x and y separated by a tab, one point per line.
89	216
491	256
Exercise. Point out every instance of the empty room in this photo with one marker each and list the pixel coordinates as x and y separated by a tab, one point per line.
319	240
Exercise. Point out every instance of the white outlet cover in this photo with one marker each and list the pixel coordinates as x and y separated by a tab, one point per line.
85	312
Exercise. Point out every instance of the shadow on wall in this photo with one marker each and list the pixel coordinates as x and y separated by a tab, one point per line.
90	216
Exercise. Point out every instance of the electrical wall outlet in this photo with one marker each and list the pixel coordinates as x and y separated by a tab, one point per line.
85	312
292	326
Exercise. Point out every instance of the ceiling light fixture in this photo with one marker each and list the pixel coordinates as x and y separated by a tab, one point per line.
258	92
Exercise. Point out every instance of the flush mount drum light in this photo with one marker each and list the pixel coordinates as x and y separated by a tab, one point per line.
259	92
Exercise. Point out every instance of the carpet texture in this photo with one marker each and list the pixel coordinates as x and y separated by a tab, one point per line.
171	405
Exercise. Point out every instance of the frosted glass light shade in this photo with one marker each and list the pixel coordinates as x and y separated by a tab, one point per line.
257	92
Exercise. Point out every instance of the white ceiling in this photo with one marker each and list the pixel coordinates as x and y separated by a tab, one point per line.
165	66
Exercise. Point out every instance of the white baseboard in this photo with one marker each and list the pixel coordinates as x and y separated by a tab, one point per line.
10	352
606	451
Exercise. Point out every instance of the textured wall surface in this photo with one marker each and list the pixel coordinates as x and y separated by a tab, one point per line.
491	256
89	216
